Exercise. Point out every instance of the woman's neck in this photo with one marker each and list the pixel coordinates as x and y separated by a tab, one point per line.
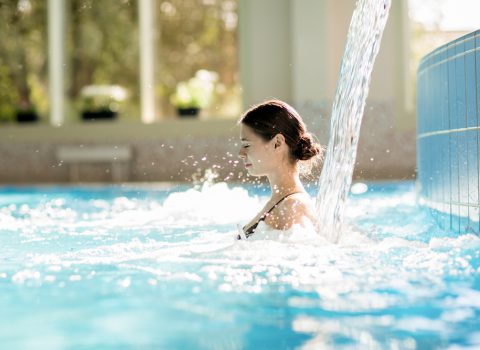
284	183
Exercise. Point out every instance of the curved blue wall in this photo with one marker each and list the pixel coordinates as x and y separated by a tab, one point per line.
448	147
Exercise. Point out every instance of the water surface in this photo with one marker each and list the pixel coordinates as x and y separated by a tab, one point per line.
147	267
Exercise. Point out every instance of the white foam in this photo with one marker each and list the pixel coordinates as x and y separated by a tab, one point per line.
140	235
216	203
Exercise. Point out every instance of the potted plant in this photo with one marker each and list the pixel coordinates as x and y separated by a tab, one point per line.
196	93
26	113
101	101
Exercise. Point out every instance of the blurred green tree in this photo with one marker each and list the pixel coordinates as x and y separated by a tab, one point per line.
102	48
23	55
194	35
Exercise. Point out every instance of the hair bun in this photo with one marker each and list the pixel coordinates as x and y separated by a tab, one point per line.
306	148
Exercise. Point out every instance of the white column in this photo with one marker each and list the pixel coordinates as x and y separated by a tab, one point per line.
264	43
310	50
147	55
56	61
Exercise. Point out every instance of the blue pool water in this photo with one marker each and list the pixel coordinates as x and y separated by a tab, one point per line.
156	267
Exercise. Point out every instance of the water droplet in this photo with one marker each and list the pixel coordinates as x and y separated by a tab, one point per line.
75	278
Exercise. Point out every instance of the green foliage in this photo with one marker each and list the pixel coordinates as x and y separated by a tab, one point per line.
102	97
8	96
196	36
102	48
22	51
197	92
38	94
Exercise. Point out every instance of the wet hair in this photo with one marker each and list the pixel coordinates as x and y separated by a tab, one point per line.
274	117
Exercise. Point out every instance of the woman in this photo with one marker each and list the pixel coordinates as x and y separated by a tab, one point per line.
273	142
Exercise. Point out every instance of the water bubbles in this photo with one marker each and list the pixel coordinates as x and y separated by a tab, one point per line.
125	283
50	278
25	276
225	288
176	246
24	209
55	268
58	202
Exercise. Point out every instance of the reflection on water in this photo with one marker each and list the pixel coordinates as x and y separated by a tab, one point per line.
144	267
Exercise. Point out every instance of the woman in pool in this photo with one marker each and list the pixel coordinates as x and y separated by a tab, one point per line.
274	140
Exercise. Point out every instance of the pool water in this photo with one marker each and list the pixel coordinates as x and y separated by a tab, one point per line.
156	267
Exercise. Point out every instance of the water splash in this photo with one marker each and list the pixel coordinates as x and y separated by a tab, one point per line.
363	43
140	257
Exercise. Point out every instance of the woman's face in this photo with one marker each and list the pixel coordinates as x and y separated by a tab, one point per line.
257	154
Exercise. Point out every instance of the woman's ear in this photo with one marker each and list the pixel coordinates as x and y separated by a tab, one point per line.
279	140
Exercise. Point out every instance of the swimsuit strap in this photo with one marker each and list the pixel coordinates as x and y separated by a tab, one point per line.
274	206
252	228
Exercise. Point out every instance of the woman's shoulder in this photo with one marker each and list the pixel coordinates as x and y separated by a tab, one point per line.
299	201
294	209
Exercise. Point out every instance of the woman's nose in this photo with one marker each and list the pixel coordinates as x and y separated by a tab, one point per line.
241	153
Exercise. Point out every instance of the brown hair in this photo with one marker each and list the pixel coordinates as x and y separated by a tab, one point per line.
273	117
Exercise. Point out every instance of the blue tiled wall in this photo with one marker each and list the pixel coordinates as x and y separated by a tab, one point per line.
448	133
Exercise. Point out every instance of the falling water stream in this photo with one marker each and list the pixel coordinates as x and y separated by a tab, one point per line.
363	43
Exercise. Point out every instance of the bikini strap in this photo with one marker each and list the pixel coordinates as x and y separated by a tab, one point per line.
280	201
249	231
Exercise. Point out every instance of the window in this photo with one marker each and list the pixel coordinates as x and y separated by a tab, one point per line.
102	50
437	22
23	60
198	35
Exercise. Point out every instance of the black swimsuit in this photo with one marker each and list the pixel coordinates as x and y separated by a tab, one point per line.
251	229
